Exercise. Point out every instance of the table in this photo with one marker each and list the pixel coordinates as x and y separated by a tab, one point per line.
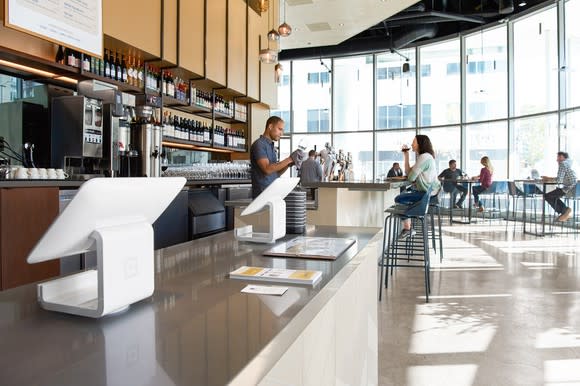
469	183
545	185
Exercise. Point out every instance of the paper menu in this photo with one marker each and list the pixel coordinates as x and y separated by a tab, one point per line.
276	275
264	290
328	248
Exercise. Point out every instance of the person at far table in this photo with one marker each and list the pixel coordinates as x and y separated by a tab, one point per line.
395	171
449	176
311	170
567	178
485	178
265	167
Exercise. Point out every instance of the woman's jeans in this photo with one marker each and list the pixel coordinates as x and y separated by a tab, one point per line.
409	197
477	190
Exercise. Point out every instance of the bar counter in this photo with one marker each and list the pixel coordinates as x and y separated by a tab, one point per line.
198	329
74	184
353	203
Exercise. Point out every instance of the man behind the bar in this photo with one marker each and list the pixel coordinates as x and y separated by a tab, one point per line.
567	178
311	170
263	158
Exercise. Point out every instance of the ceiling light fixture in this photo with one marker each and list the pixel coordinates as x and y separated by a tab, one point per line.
273	35
263	5
268	55
278	69
522	4
284	29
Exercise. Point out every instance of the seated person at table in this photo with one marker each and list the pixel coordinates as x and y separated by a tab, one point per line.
449	176
567	178
395	171
423	174
485	179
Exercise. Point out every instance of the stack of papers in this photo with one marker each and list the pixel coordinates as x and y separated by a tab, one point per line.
276	275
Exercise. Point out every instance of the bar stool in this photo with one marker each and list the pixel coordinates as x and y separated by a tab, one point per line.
411	252
434	212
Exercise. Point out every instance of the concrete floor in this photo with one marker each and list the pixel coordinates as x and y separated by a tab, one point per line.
504	310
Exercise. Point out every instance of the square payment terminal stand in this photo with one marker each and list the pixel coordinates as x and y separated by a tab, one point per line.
113	216
273	198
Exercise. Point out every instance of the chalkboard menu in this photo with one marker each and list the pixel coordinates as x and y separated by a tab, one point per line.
74	23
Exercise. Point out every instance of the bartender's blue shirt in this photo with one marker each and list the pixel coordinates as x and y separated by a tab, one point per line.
262	148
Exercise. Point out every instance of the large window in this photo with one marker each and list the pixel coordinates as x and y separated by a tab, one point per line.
487	139
396	94
536	63
486	75
447	145
311	141
311	100
389	145
571	139
534	146
572	53
353	93
440	90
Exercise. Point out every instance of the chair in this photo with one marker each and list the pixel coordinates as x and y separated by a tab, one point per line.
518	194
411	252
491	202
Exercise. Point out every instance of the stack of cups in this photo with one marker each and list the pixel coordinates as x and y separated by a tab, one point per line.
296	211
22	173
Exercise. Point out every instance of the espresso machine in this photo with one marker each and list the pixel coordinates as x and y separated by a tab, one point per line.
77	134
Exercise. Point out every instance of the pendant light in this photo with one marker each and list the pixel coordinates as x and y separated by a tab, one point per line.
284	29
268	55
273	35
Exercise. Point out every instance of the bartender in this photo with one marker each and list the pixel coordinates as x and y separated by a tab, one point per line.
263	158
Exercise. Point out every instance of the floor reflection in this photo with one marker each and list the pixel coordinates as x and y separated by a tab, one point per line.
505	310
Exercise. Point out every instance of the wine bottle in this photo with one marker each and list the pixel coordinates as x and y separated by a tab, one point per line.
123	69
60	55
106	64
119	70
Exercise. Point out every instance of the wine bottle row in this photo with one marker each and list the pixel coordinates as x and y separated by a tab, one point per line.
197	131
119	67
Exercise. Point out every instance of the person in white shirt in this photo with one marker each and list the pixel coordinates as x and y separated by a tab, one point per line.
423	174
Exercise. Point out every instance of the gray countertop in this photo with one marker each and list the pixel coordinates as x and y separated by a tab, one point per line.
196	329
358	185
72	184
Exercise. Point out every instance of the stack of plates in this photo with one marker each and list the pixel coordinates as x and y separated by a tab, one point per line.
296	211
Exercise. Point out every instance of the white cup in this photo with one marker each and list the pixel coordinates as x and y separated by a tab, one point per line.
33	173
51	174
43	173
60	174
21	173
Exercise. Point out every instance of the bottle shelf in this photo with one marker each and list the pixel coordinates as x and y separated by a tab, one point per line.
236	149
167	138
122	86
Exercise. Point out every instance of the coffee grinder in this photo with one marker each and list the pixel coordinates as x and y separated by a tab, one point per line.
144	154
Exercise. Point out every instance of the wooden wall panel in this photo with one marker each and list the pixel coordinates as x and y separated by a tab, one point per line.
237	43
254	36
170	31
215	40
25	214
191	35
134	22
268	94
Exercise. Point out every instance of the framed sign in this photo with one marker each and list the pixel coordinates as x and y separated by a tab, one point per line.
77	24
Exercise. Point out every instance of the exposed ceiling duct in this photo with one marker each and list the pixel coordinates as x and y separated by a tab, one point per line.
361	47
